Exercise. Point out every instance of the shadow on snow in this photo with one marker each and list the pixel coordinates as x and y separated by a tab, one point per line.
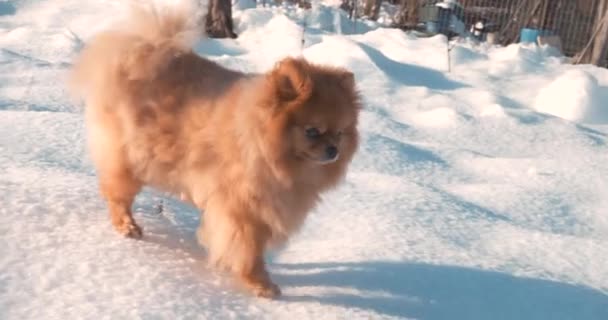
445	292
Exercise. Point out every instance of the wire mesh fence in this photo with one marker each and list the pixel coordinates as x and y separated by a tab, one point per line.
579	28
573	22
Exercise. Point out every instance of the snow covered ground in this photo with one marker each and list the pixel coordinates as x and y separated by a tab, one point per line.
477	194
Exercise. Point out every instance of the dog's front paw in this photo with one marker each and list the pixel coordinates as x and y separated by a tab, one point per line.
265	290
129	230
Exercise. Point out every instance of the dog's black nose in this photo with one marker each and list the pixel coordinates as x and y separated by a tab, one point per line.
331	152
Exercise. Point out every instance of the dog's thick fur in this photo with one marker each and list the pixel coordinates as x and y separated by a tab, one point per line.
251	150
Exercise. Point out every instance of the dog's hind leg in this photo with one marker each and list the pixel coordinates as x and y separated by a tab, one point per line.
116	180
119	188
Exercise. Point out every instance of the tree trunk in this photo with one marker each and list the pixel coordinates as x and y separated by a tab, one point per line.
372	9
218	23
407	16
595	50
347	5
599	54
411	17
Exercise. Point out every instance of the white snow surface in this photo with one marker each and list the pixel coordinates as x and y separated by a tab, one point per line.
575	95
481	193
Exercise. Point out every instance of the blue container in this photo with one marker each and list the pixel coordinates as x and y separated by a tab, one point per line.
441	23
436	19
529	35
432	27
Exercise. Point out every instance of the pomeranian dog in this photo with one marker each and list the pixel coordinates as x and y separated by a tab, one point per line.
253	151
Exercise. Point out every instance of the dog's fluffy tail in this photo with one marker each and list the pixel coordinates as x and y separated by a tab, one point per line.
135	49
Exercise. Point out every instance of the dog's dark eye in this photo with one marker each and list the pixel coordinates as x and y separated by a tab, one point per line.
312	133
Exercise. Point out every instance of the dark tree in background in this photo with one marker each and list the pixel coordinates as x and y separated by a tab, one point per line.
599	53
407	16
372	9
218	22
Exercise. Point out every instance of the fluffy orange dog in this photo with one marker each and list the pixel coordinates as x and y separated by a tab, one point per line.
254	151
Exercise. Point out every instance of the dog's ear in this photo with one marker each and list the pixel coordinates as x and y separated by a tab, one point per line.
290	79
